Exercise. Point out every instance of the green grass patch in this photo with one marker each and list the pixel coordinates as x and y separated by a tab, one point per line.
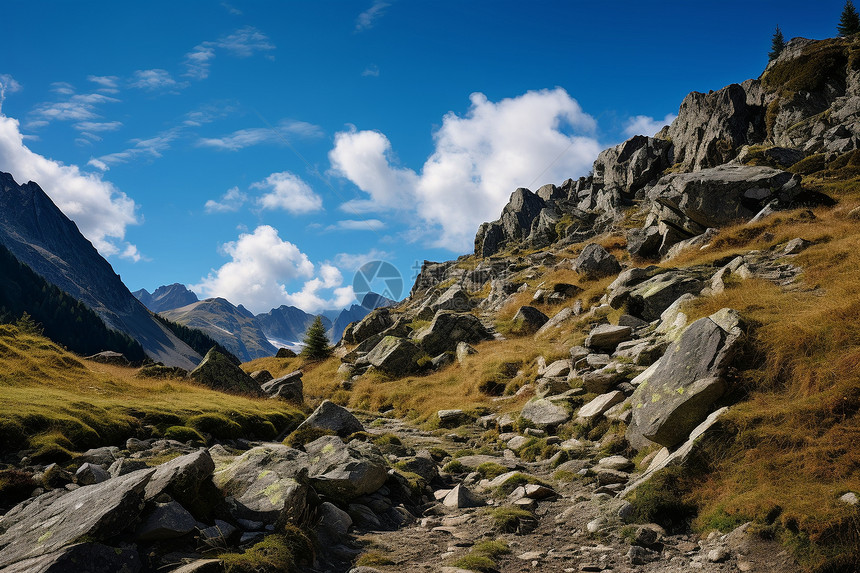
509	519
277	553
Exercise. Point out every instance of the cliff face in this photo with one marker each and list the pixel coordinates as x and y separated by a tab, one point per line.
43	238
807	102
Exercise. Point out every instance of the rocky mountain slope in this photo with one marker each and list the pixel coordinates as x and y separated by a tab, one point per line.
649	369
41	236
233	327
287	324
166	297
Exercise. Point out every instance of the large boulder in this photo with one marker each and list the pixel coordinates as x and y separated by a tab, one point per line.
372	324
608	336
261	484
455	298
528	319
650	298
219	373
166	521
680	390
181	477
289	387
631	165
343	472
396	356
448	329
595	262
545	413
48	523
330	416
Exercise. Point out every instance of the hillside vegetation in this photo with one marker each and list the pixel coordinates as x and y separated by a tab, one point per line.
56	403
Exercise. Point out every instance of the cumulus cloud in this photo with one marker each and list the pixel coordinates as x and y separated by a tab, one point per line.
288	192
231	201
479	159
242	43
258	135
152	80
365	157
645	125
367	19
261	266
101	211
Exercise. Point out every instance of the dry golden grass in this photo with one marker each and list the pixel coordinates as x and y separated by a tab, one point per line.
51	397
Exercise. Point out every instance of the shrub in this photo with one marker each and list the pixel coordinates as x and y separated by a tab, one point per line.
454	467
183	434
661	500
490	470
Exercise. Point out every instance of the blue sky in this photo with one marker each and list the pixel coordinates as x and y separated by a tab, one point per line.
262	151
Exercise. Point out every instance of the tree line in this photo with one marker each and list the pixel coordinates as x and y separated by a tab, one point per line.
60	317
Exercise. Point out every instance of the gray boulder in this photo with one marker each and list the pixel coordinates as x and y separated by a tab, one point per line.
453	418
181	477
330	416
289	387
48	523
595	262
464	349
544	413
461	498
455	298
372	324
448	329
631	165
596	408
343	472
397	356
262	484
167	521
650	298
513	226
686	382
98	557
89	474
262	376
217	372
528	319
608	337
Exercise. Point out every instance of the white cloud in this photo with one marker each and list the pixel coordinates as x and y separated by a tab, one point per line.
260	267
257	135
231	9
231	201
7	85
152	80
98	126
64	88
242	43
152	148
80	107
357	225
371	71
311	298
101	211
109	84
367	19
480	158
100	165
645	125
288	192
364	157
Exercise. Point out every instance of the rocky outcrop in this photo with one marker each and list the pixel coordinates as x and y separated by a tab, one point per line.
394	355
678	393
633	165
219	373
330	416
595	262
448	329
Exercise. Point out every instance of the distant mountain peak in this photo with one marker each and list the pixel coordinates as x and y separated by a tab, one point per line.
166	297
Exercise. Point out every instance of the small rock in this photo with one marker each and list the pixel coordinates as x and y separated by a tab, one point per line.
464	349
718	555
460	498
88	474
594	525
850	498
167	521
645	537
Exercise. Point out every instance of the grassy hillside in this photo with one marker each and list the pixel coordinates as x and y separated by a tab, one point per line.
56	403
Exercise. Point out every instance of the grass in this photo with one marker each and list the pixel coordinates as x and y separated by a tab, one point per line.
791	449
56	403
277	553
509	519
484	556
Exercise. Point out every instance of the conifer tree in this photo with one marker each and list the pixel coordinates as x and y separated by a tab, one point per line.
777	45
316	342
849	22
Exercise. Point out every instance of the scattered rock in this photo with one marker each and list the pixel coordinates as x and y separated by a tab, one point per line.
89	474
528	319
217	372
330	416
596	262
544	413
452	418
167	521
396	356
607	336
461	497
344	471
289	387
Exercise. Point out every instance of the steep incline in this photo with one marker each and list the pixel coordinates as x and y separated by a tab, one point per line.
42	237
